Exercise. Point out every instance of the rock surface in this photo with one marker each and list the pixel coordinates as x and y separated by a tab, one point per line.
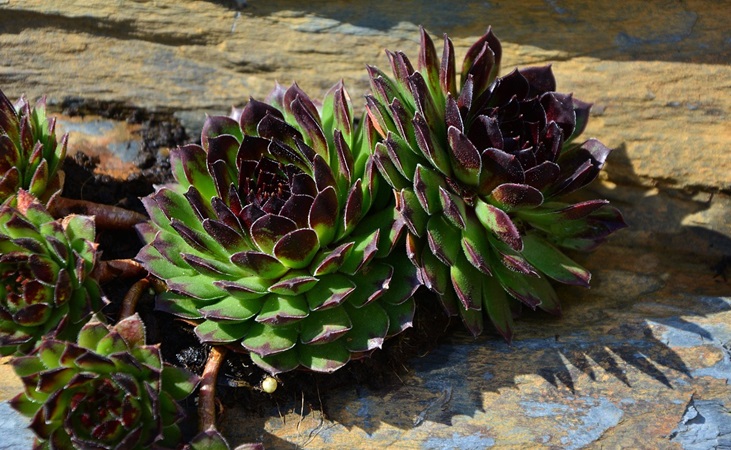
641	360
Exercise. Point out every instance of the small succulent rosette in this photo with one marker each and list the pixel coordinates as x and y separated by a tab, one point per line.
107	390
262	241
30	155
45	282
479	170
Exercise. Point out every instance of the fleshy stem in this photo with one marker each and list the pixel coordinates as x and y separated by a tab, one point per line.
106	216
129	303
207	393
105	271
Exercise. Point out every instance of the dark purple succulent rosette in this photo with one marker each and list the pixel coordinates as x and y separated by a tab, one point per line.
107	390
45	267
264	241
485	165
30	155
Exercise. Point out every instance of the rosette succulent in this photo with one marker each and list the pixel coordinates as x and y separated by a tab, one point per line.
30	155
45	282
107	390
479	170
264	242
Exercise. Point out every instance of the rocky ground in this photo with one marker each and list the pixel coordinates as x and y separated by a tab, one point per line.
642	359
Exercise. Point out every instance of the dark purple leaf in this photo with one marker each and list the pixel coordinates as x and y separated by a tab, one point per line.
44	270
499	167
542	175
466	160
253	113
271	127
311	126
447	73
353	209
517	196
452	115
297	248
560	109
303	184
540	79
401	67
268	229
293	94
345	157
323	174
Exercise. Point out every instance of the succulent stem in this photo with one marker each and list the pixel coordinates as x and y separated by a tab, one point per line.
207	393
105	271
107	216
129	303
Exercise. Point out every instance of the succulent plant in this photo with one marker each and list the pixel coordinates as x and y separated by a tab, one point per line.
479	170
264	239
45	283
108	390
30	155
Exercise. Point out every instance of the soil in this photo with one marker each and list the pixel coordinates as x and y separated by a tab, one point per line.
239	379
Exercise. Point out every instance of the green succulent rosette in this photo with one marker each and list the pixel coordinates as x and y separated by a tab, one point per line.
45	282
106	390
30	155
276	236
480	170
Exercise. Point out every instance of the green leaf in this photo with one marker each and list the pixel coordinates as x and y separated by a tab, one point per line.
400	316
214	332
552	262
370	327
325	358
330	291
497	305
324	326
443	239
370	283
178	382
294	283
465	280
533	291
476	246
426	187
231	308
277	363
265	340
178	305
282	309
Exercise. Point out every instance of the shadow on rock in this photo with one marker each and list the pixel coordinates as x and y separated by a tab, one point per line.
620	31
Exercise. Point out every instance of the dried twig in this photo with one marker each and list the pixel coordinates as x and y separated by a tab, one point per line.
106	216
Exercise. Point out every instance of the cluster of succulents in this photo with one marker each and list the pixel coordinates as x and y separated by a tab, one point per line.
484	164
261	240
105	390
31	156
299	235
45	267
